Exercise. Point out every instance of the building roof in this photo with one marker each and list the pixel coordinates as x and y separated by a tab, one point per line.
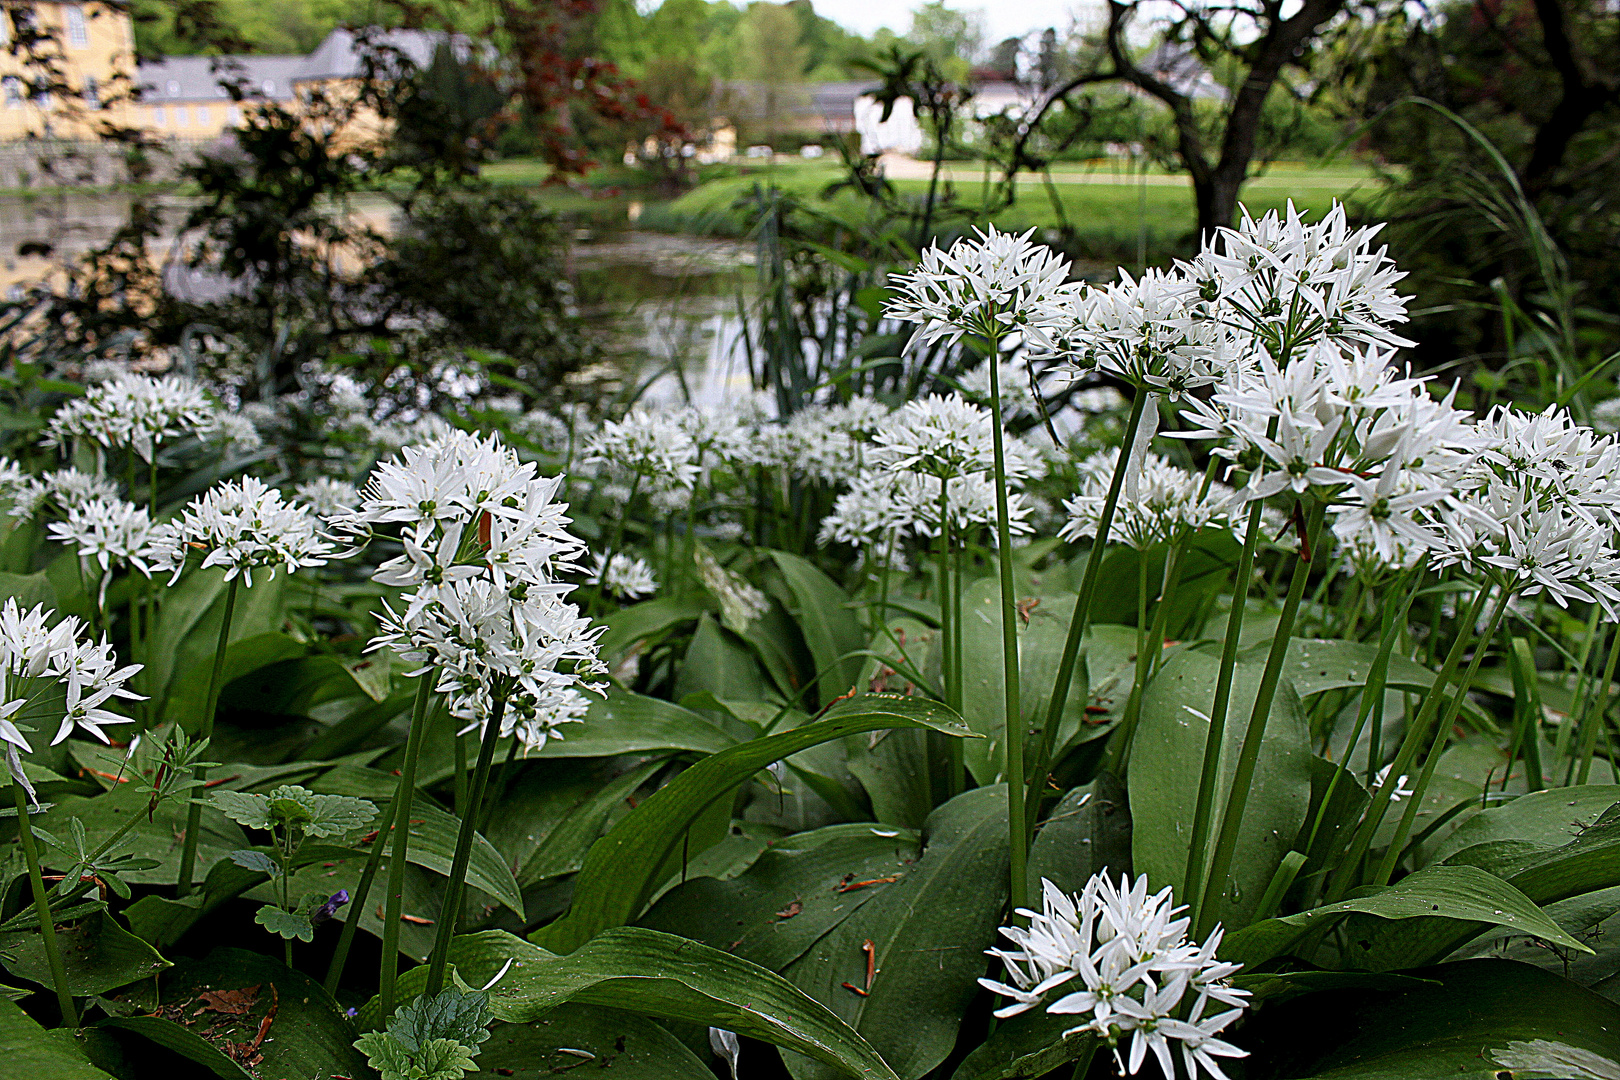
182	79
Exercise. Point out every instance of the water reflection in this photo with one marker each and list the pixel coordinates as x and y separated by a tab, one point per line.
665	307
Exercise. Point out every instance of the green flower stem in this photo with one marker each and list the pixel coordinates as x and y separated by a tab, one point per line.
1080	621
1118	755
1437	745
450	909
1394	620
1237	799
188	852
42	908
1210	777
460	780
1017	833
357	902
1596	713
599	597
394	900
1345	874
953	691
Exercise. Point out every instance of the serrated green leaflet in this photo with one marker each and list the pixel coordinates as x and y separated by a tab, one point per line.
624	867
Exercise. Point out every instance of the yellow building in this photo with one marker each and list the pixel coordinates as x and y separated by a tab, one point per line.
86	49
89	48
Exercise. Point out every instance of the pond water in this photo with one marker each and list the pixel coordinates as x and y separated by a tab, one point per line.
665	307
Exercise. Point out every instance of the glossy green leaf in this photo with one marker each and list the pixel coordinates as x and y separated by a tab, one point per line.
1027	1046
1167	761
626	723
1315	665
662	976
28	590
1089	831
641	621
183	650
552	816
718	661
1436	892
99	956
624	867
183	1041
830	627
1550	818
794	893
928	933
28	1050
892	767
630	1046
1480	1023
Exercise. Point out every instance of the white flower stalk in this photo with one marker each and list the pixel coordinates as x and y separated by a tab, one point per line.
1143	331
652	447
986	287
111	533
623	575
36	658
949	436
230	433
1119	960
327	497
1167	500
1290	284
135	411
485	645
241	525
59	492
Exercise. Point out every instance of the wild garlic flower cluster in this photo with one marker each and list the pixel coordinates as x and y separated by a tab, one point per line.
486	545
58	491
996	286
326	497
624	576
1119	961
652	449
1160	501
38	656
135	411
111	533
241	525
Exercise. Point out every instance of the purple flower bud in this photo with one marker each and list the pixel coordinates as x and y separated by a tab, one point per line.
328	909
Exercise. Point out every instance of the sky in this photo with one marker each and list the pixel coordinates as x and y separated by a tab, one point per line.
1004	18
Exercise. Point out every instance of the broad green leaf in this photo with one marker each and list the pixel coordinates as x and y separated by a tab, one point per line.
928	934
630	1046
156	839
892	767
830	628
779	645
1593	918
289	683
1167	761
1029	1045
626	723
1436	892
187	633
717	661
309	1037
656	975
641	621
285	924
1551	818
623	868
1105	651
1315	665
29	590
1479	1024
1089	831
99	956
556	811
28	1050
797	891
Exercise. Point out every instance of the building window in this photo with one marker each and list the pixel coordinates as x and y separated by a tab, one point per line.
202	114
78	34
5	28
233	115
158	118
92	92
182	116
14	93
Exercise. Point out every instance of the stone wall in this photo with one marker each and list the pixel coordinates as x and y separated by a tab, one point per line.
40	163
